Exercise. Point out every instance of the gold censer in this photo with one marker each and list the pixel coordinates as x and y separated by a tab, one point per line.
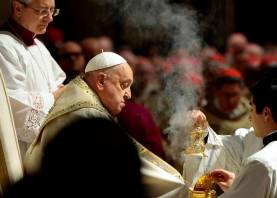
204	187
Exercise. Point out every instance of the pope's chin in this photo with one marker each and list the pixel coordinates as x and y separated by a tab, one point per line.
115	111
119	109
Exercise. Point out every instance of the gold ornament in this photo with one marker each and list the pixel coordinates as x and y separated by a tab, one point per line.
197	145
204	187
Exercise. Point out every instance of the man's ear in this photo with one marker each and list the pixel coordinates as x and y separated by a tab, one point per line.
17	8
267	112
100	80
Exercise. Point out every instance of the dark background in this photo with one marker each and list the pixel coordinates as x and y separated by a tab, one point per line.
217	19
256	19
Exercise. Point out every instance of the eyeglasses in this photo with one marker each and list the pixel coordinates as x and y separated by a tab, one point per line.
42	11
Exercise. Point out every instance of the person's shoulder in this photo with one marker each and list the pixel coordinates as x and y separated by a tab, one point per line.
265	156
89	112
243	132
41	45
10	45
7	38
39	42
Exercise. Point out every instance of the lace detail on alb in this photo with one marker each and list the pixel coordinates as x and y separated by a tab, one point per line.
37	102
36	115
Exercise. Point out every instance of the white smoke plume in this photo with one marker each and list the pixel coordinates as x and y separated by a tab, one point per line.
156	19
181	98
175	27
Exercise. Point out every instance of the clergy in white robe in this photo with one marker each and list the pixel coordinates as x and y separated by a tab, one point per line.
30	72
257	178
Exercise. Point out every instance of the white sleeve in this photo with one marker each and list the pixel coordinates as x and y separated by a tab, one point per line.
240	145
29	113
56	71
29	108
232	150
253	181
221	151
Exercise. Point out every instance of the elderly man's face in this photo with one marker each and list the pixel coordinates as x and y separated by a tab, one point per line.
117	88
36	15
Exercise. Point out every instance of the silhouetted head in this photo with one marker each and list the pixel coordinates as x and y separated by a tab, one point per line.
91	155
88	158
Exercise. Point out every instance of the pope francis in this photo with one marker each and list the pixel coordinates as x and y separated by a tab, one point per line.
102	92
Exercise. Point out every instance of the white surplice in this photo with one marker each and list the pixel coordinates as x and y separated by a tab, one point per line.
258	176
31	75
222	151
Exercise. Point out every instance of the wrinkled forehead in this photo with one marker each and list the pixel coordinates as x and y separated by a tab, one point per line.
123	71
126	67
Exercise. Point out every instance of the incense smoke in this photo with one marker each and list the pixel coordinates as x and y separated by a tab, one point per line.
176	30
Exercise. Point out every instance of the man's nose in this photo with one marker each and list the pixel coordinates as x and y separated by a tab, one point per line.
49	16
127	95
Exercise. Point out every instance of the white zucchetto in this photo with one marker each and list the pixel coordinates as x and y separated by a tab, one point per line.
104	60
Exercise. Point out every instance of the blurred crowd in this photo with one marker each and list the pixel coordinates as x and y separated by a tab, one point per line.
220	81
153	93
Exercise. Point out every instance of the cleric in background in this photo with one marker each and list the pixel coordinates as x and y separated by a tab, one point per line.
227	109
